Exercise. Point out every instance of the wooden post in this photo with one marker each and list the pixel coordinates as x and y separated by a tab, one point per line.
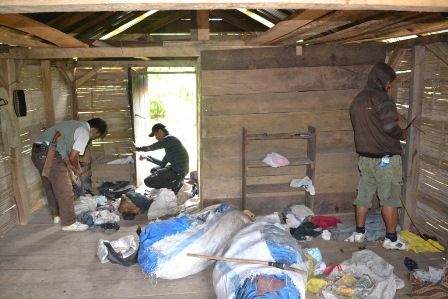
203	24
47	93
15	151
411	163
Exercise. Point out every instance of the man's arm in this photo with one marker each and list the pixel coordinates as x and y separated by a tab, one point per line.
389	118
73	162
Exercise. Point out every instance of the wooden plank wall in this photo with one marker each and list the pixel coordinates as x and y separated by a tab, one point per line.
431	210
277	89
8	210
29	79
105	95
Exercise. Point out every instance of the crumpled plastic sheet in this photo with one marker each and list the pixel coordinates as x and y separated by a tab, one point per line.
433	275
304	183
276	160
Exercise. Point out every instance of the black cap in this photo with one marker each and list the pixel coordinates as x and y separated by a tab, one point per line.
155	128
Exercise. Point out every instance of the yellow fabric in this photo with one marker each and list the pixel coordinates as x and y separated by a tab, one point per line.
418	244
315	284
311	264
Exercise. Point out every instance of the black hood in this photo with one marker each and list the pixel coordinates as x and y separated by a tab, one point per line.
380	75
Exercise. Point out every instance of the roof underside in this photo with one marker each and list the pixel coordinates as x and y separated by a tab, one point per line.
283	27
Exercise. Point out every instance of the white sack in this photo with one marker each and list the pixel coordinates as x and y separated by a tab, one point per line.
167	258
256	242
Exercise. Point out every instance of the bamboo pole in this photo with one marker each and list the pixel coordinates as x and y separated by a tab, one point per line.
272	264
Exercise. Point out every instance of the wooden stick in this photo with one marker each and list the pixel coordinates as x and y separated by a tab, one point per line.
272	264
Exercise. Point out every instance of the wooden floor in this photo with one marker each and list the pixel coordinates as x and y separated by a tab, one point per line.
39	260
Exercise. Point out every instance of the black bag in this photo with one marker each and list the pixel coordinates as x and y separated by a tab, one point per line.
116	189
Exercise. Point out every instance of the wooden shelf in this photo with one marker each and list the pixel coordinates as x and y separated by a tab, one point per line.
307	160
284	189
293	162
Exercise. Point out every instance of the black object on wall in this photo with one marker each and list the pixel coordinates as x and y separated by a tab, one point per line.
19	102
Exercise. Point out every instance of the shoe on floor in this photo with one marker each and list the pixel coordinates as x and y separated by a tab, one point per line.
76	227
356	237
56	219
399	245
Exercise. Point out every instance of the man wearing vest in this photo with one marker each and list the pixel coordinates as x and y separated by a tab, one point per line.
72	142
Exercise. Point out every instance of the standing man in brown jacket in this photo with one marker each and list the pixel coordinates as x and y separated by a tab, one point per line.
374	118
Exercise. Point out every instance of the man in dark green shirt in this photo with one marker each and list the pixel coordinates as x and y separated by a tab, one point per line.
174	165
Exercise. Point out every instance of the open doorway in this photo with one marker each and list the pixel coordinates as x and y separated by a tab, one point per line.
165	95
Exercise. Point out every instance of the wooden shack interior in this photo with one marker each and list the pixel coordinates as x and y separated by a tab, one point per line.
301	71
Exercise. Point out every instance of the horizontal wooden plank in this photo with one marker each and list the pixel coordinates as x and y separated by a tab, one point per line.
278	57
218	167
228	126
283	80
231	187
297	101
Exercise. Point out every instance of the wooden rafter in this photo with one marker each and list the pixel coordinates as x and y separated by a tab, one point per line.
407	30
284	28
369	26
13	38
91	21
229	18
23	6
41	30
67	20
153	26
326	23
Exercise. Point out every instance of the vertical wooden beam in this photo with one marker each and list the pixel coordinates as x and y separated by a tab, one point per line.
72	86
411	162
203	24
69	76
16	163
47	93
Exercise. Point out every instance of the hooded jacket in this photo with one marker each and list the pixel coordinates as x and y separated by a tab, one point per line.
374	116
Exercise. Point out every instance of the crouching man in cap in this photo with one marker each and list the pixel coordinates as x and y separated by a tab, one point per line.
173	167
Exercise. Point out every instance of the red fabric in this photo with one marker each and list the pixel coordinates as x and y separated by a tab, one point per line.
325	221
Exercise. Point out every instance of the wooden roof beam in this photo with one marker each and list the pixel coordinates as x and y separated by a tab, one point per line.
227	17
286	27
27	6
326	23
25	24
170	49
348	34
174	16
11	37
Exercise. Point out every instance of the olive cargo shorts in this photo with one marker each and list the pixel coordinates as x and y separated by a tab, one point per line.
386	181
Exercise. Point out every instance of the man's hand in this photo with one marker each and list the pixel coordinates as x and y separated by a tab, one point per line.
133	147
404	134
148	158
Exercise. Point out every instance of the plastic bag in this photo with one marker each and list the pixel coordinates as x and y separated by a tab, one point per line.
276	160
122	251
84	204
304	183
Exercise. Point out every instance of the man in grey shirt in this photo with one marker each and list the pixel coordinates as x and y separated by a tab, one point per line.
173	167
73	139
